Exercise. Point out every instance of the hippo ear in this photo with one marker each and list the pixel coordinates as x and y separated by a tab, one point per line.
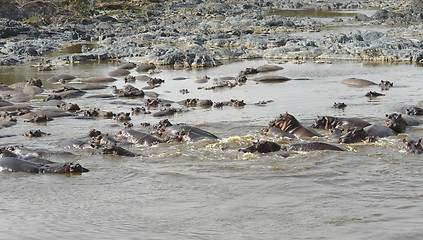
420	140
404	141
387	115
400	115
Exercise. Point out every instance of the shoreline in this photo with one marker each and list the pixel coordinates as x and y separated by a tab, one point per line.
193	34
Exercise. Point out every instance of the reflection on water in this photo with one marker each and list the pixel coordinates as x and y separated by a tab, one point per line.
209	189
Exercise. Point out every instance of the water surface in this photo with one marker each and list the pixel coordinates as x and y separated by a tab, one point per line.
210	190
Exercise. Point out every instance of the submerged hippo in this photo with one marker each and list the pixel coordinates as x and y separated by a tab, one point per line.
313	146
61	78
119	72
328	122
13	164
138	137
276	132
353	135
378	130
385	85
288	123
118	151
182	132
373	94
413	110
395	122
413	146
357	82
271	78
262	147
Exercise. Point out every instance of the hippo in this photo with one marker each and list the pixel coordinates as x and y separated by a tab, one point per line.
35	133
339	105
98	80
122	117
128	66
69	92
39	118
182	132
138	137
165	112
4	103
49	113
69	106
78	144
13	164
119	72
248	71
276	132
262	147
145	67
61	78
414	110
395	122
353	135
329	122
413	146
14	96
313	146
7	120
155	81
290	124
335	133
129	79
385	85
378	130
232	102
357	82
269	68
119	151
33	86
204	79
271	78
193	102
38	152
138	110
373	94
95	112
128	91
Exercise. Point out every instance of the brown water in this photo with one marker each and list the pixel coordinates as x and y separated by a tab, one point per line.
210	190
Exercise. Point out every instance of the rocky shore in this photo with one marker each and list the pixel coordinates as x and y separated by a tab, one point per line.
194	33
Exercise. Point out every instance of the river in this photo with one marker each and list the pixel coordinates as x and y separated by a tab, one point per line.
210	190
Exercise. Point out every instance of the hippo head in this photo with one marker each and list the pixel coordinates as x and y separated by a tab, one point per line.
7	153
262	147
385	85
286	122
353	135
413	146
326	122
395	122
64	168
161	126
414	111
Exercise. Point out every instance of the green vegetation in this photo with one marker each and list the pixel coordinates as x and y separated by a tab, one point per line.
82	7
